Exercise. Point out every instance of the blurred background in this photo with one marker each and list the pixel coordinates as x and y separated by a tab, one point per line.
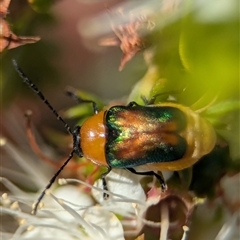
62	57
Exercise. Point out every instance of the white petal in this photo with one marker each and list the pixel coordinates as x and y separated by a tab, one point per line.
73	197
50	229
125	188
105	222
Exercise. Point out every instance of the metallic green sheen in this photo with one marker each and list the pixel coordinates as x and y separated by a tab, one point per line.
139	135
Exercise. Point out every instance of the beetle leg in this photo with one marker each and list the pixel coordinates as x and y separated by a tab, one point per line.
165	96
145	100
104	183
132	104
151	173
148	101
73	94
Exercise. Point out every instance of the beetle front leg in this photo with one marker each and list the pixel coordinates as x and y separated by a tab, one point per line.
71	92
151	173
104	183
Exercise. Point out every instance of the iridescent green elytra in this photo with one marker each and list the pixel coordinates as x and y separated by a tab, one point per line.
139	135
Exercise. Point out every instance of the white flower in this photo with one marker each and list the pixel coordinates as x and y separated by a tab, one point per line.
68	212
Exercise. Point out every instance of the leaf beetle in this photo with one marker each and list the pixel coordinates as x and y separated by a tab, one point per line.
165	136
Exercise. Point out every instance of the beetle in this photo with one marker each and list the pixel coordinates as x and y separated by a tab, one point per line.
165	136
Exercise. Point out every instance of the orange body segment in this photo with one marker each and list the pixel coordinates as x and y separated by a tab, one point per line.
93	139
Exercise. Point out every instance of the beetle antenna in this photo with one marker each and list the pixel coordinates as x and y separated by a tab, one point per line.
51	183
39	93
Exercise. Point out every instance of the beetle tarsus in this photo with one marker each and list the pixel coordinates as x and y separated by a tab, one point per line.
105	188
151	173
104	183
73	94
132	104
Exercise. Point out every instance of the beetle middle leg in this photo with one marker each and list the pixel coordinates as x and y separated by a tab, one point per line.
151	173
104	183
